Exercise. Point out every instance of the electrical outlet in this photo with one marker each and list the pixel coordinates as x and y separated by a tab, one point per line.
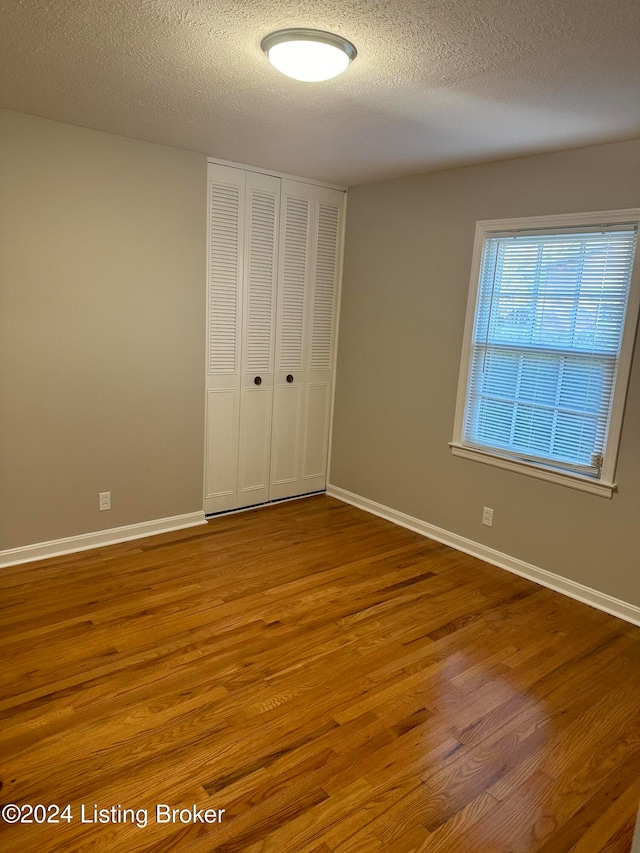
104	501
487	516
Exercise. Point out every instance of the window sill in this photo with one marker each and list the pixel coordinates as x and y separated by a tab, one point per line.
573	481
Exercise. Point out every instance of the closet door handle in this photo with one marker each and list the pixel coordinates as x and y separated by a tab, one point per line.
258	380
289	378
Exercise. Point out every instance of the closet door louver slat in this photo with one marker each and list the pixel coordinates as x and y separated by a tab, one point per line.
296	247
224	277
261	283
324	289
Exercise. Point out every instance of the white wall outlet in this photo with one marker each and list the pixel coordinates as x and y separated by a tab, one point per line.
487	516
104	501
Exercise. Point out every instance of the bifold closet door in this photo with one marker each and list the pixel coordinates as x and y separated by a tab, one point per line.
243	211
311	223
225	261
258	337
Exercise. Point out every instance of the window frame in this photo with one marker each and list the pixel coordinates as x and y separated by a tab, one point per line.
605	485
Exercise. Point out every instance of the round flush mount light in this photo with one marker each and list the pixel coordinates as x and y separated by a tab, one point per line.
309	55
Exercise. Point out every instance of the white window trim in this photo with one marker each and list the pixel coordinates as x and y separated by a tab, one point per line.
605	485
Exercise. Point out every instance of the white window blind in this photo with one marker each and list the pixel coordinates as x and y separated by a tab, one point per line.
549	321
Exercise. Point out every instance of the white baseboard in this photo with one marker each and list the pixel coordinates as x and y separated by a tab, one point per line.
599	600
71	544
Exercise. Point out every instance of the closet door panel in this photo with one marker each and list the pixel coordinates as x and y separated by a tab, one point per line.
307	294
255	437
287	424
221	451
296	210
225	270
316	433
258	336
321	329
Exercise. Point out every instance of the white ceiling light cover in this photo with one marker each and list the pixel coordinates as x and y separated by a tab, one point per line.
308	55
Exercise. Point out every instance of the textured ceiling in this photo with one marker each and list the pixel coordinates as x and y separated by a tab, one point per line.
436	82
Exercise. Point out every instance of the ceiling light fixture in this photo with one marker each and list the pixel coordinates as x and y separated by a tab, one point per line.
308	55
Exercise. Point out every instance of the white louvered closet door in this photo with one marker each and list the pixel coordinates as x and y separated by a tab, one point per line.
225	270
258	337
311	225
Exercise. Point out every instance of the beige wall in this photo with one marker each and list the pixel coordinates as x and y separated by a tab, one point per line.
101	329
406	279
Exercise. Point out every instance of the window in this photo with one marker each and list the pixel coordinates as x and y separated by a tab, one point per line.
551	321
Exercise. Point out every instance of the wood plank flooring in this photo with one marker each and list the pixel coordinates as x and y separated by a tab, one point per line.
333	682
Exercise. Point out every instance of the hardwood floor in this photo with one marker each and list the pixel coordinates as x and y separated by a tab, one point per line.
333	682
